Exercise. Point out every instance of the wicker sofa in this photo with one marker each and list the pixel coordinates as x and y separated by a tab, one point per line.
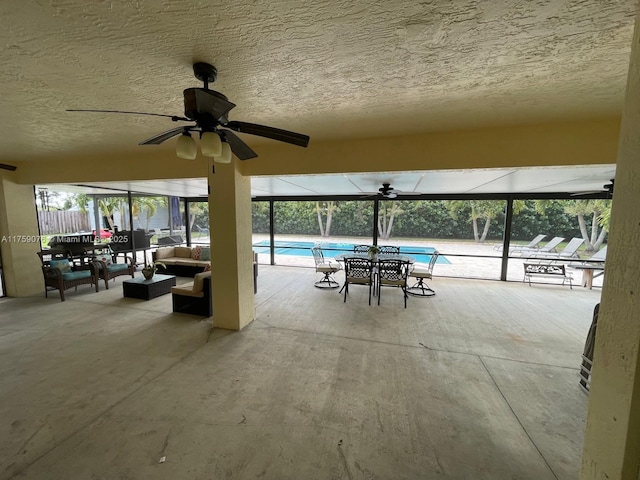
182	261
188	261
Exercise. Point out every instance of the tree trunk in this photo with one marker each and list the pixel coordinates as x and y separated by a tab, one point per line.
107	214
474	221
318	211
485	231
382	227
583	231
390	226
603	233
594	228
327	230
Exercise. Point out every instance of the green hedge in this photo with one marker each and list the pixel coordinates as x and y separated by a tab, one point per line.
417	219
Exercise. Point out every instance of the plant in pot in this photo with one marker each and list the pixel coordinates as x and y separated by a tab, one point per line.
150	269
373	251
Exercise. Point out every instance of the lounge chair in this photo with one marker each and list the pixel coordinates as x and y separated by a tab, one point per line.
532	245
570	251
589	267
549	247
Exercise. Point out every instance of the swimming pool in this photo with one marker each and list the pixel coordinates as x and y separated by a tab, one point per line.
303	249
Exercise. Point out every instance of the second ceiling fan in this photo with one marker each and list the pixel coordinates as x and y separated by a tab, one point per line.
209	111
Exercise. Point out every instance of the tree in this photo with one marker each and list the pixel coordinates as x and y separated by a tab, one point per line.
325	209
386	214
479	210
106	206
595	208
148	205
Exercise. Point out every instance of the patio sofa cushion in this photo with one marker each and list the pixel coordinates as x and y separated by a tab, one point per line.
164	252
62	265
195	289
117	267
76	275
182	252
205	254
190	262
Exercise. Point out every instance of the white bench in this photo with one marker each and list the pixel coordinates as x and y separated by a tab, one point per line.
547	270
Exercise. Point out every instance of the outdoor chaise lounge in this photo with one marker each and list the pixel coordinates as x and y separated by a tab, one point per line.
532	245
589	267
570	251
549	247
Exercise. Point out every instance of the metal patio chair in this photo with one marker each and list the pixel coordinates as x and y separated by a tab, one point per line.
420	288
328	269
358	271
393	273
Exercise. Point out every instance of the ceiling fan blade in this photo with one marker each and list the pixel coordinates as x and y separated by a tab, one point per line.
172	117
269	132
164	136
6	166
238	147
210	103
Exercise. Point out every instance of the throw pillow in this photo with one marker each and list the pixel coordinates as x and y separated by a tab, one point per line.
104	257
205	254
207	268
63	265
195	252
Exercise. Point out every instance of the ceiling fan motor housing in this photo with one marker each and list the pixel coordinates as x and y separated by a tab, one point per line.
199	105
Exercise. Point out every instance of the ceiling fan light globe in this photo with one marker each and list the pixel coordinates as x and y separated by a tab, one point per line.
210	144
186	147
225	155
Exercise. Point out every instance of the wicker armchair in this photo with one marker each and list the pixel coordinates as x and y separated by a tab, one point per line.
60	274
107	268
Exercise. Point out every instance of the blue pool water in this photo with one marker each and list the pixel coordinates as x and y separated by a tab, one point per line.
303	249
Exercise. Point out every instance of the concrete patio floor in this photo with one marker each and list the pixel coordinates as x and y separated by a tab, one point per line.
478	382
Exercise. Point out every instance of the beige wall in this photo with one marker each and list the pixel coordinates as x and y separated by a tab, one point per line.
19	239
612	436
567	143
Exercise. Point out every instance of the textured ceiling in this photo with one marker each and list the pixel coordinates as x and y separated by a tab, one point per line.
332	69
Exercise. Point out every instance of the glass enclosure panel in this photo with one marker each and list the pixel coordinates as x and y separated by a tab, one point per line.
260	229
336	225
557	231
466	233
199	222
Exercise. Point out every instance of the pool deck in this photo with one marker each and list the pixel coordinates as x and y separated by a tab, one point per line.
476	260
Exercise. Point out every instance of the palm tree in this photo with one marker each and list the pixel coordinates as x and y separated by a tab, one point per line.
327	209
388	211
479	210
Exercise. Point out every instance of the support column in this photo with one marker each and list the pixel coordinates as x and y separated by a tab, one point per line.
612	435
19	240
231	250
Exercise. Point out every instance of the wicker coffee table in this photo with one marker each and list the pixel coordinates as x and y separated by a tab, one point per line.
148	289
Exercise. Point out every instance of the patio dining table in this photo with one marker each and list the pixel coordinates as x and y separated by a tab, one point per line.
364	255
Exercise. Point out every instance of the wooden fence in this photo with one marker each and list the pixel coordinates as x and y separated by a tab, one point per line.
63	222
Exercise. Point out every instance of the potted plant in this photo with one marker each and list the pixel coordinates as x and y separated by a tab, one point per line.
150	269
373	251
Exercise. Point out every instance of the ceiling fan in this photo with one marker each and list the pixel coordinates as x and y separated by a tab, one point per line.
605	188
386	192
208	110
